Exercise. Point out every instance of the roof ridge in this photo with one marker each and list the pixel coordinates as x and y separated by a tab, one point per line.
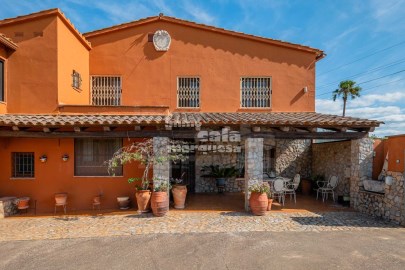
320	53
47	12
8	42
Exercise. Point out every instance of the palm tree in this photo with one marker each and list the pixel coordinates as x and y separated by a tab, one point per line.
346	89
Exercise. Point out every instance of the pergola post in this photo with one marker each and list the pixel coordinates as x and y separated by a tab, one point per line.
161	171
253	165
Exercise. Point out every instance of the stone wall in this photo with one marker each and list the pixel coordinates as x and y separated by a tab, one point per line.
207	184
8	206
253	165
333	158
389	205
161	171
292	157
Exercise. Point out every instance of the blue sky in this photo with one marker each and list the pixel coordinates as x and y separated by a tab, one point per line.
364	39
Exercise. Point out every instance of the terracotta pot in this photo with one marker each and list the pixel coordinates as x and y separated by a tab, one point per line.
306	186
160	203
143	200
179	196
60	198
270	203
258	203
23	203
123	202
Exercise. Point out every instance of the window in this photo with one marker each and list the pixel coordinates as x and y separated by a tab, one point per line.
106	90
255	92
188	92
1	80
76	80
23	164
91	155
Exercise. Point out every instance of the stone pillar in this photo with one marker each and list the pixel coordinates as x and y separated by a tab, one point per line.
161	171
253	165
361	167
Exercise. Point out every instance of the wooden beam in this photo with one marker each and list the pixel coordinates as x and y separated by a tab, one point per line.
316	135
77	129
256	129
285	129
106	128
15	128
46	130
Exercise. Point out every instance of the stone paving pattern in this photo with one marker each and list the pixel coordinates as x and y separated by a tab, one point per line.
59	227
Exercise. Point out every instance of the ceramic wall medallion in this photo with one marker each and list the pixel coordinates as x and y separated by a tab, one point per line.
161	40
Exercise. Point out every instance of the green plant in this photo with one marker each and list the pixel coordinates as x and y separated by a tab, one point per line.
145	153
217	171
163	187
260	188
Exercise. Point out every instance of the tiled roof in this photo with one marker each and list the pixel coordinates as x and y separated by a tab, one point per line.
8	42
161	17
303	119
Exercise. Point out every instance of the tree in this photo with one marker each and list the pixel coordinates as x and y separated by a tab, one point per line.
346	89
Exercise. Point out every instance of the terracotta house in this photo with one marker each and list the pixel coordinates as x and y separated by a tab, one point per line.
75	98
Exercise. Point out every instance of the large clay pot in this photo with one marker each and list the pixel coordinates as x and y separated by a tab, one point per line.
143	200
258	203
23	203
60	198
306	186
179	196
270	203
160	203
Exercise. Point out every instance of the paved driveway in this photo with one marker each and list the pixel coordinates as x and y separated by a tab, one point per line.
365	249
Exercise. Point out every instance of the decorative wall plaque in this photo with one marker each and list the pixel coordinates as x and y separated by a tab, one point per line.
161	40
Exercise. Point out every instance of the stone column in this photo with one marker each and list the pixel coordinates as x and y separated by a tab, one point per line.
161	171
253	165
361	167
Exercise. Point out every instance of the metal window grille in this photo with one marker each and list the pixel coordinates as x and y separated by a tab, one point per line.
106	90
23	164
1	80
76	79
255	92
91	156
188	92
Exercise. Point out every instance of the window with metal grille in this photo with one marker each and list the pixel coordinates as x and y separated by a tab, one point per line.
23	164
91	156
1	80
255	92
76	79
188	92
106	90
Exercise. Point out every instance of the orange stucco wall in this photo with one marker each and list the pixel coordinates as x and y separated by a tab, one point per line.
3	57
72	55
57	176
32	69
395	145
149	77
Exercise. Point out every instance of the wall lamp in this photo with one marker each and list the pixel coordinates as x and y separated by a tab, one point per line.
43	158
65	157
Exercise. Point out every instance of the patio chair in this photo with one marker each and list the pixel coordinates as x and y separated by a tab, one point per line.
278	190
291	187
328	188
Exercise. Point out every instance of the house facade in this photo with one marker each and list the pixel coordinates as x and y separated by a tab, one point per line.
69	100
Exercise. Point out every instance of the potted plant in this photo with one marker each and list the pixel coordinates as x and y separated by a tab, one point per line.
147	155
219	173
160	199
258	200
179	191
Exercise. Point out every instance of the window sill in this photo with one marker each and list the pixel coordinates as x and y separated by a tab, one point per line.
22	178
98	176
3	102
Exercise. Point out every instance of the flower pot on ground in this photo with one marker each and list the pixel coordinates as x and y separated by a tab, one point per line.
306	186
23	203
143	200
160	199
179	195
258	200
123	202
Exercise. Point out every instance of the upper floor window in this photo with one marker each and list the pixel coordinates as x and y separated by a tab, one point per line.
106	90
1	80
255	92
76	80
188	92
23	164
91	155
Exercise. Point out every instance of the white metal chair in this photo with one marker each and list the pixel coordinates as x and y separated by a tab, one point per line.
278	190
291	187
328	188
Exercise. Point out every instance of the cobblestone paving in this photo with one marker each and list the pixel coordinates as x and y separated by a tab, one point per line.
26	228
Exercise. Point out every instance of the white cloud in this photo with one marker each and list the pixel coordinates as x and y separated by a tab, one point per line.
388	14
198	13
371	99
